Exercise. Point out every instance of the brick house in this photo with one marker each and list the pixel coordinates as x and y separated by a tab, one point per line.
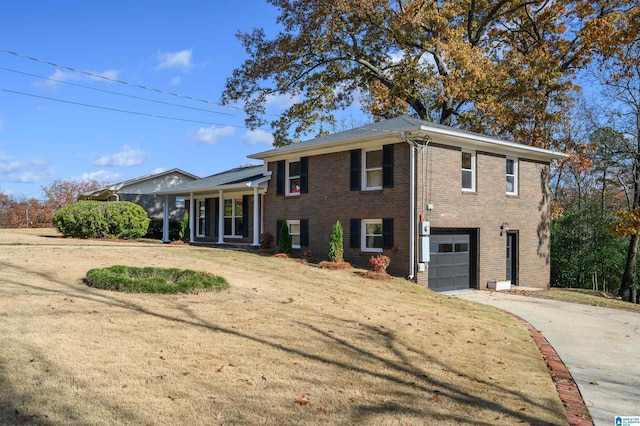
452	209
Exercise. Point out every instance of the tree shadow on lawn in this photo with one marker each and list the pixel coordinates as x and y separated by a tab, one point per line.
399	371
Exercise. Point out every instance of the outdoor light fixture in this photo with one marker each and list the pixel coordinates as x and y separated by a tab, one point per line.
504	228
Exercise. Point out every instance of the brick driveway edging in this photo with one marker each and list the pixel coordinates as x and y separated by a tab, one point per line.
575	408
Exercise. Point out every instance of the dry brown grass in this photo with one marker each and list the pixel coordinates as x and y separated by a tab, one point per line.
584	296
360	351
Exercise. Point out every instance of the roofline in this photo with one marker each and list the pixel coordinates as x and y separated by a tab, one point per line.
416	132
248	184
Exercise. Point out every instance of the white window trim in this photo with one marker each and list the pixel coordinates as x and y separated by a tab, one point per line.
294	222
288	178
473	171
363	235
203	209
515	176
233	218
365	170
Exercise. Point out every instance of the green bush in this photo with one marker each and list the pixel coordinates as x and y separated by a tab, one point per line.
336	248
153	280
98	219
184	233
284	245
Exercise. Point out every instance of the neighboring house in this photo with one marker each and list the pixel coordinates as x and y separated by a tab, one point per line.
141	191
452	209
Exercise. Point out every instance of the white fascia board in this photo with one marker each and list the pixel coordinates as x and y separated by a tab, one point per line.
304	149
473	141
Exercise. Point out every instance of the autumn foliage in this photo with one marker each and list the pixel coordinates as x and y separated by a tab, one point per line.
37	213
505	68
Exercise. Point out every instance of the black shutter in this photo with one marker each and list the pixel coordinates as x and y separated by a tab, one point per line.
304	175
245	216
355	174
278	226
216	213
387	166
280	177
355	233
387	233
207	217
304	232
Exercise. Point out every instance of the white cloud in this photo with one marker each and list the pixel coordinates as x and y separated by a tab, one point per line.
127	157
60	76
24	171
281	101
35	176
178	60
175	81
101	176
108	74
8	165
213	135
157	170
256	137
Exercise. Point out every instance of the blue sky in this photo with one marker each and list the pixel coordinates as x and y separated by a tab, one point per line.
187	48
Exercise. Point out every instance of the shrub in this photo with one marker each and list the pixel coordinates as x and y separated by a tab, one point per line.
380	263
266	240
336	248
153	280
185	233
284	245
155	229
98	219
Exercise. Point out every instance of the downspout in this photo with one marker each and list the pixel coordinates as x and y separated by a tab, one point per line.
412	206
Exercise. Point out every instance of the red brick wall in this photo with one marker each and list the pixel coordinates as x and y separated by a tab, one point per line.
438	183
489	207
329	199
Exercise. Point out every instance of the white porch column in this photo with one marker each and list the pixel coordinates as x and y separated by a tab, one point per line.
256	217
221	218
165	221
192	219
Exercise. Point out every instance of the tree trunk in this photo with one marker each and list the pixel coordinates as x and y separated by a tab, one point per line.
629	267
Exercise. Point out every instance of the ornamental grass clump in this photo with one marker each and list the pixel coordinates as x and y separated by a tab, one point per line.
130	279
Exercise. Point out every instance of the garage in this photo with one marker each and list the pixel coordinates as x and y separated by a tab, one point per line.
452	264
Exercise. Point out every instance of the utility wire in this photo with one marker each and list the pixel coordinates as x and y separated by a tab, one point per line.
116	93
118	110
116	80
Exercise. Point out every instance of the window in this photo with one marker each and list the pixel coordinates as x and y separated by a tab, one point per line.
202	217
512	176
294	232
468	171
233	217
372	238
372	170
293	178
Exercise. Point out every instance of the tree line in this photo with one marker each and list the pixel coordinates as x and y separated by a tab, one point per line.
37	212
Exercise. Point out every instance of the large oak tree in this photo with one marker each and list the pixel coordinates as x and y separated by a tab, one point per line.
502	67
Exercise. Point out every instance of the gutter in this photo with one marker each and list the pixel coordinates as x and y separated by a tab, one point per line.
412	206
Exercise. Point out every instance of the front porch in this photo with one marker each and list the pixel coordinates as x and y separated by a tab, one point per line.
226	208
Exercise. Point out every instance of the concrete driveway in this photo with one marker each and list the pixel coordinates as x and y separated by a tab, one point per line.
600	347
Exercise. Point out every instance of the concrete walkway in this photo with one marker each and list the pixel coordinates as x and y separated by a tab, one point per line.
600	347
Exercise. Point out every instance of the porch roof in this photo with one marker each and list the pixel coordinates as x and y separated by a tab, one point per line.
239	178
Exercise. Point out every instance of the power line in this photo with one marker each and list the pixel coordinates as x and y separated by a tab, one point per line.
115	93
120	110
42	61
